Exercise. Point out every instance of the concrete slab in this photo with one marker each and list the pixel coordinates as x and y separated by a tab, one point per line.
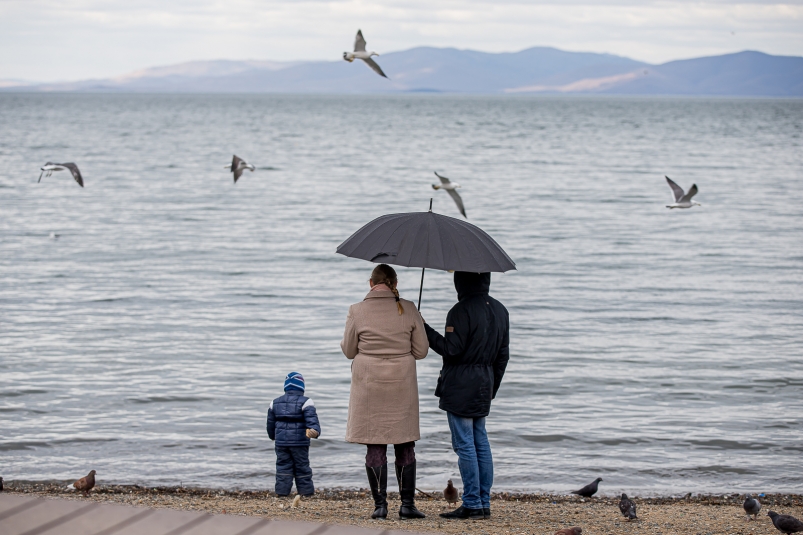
43	516
24	515
165	522
12	503
98	519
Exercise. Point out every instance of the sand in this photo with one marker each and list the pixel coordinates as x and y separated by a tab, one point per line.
511	513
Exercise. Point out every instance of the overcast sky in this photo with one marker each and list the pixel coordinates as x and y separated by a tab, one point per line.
49	40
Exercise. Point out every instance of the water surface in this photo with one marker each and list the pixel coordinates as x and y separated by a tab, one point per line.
660	350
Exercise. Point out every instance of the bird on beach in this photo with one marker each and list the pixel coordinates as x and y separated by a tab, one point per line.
786	523
85	484
627	507
570	531
682	199
360	53
51	168
238	166
451	188
450	493
751	506
589	490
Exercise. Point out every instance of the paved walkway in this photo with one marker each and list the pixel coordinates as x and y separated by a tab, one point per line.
27	515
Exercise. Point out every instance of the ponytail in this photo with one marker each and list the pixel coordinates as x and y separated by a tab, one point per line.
384	274
396	294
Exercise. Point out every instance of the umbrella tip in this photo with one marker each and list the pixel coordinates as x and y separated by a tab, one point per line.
430	204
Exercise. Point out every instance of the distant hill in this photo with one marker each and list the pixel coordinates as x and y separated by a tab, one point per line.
448	70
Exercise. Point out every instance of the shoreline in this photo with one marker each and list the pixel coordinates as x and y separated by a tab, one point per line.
512	513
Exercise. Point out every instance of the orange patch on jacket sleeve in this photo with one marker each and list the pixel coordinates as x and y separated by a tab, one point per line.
449	329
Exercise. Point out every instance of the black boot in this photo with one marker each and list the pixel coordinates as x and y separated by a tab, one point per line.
406	477
378	479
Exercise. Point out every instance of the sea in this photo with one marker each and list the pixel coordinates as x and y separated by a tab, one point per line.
148	319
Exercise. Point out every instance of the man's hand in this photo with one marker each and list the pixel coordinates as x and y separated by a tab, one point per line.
311	433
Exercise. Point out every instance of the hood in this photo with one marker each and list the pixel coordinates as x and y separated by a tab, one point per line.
467	283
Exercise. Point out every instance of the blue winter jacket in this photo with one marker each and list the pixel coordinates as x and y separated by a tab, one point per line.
289	417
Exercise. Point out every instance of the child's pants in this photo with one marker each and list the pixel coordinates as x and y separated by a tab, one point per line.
293	462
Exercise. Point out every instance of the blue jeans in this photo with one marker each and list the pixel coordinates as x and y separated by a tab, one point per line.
470	442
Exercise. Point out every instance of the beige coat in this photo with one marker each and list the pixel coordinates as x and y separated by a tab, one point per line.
383	405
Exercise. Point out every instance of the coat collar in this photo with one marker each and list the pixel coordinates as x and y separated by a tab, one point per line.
379	294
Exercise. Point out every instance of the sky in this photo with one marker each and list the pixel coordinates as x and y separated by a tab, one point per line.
62	40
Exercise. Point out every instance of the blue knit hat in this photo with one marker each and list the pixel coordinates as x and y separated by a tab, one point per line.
294	380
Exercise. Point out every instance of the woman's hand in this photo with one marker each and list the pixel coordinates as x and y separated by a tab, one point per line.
311	433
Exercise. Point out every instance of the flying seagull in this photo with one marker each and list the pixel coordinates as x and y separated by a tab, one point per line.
682	199
589	490
238	166
450	188
51	168
360	53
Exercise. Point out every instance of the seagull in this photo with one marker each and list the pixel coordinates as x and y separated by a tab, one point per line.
450	493
751	506
785	523
84	484
682	200
51	168
627	507
238	166
450	188
360	53
589	490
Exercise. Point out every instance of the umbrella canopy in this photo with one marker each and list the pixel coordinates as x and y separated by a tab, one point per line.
427	240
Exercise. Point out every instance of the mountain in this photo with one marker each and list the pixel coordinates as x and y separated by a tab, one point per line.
449	70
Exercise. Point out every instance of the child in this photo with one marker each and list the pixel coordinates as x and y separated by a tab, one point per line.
292	421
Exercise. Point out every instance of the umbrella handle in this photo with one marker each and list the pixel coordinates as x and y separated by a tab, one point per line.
421	289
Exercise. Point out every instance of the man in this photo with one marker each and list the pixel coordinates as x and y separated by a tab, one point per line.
475	354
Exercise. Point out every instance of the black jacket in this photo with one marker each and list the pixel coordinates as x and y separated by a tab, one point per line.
475	349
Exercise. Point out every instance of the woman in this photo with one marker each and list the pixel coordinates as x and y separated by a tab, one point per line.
385	336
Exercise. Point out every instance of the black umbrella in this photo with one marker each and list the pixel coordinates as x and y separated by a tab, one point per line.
427	240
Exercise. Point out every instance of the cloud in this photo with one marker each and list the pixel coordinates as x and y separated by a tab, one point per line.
70	39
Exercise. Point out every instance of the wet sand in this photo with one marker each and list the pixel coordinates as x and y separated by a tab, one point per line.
511	513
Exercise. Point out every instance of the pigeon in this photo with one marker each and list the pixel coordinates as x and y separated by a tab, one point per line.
360	53
589	490
569	531
238	166
51	168
450	188
786	523
627	507
682	200
751	507
450	493
84	484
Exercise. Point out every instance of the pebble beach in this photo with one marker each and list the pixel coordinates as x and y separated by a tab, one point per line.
512	513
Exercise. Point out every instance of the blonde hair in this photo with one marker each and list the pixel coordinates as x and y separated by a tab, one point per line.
384	274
